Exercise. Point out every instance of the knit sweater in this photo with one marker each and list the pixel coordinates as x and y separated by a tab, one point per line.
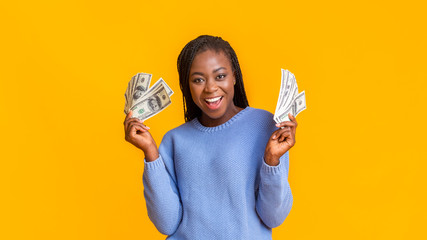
213	182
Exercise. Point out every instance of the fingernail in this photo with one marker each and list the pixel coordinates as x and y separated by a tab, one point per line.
274	136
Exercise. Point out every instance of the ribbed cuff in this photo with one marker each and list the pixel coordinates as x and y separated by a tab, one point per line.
271	169
154	164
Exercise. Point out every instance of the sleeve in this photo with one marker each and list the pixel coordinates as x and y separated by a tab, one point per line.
274	200
161	193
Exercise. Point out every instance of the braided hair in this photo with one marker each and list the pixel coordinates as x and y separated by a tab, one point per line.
185	59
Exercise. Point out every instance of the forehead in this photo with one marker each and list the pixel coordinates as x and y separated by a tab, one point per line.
210	60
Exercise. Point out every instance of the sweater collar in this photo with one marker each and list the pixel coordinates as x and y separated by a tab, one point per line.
202	128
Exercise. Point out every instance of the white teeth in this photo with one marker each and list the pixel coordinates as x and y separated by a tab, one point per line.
212	99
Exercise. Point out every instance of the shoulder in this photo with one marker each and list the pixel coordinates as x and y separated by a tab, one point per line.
260	115
262	120
182	131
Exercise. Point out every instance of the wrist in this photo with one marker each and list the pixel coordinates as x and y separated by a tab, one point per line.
151	154
271	160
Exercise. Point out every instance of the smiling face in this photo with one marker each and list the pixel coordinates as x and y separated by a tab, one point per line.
212	87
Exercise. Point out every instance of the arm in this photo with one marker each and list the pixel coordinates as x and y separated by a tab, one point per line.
160	188
161	196
274	200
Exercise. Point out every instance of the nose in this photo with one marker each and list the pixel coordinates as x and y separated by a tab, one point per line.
211	86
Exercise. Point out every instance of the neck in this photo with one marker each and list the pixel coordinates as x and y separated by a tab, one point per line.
206	121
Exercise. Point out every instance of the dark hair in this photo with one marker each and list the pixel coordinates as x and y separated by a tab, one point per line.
185	59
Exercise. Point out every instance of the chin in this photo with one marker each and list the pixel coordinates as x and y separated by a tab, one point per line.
215	116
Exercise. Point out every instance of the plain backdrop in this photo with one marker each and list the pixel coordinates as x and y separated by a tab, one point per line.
357	171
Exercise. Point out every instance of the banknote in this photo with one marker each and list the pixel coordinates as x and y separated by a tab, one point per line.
167	88
146	101
300	103
142	82
288	92
151	104
289	101
137	87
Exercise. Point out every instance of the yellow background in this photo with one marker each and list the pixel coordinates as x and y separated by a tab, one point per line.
358	170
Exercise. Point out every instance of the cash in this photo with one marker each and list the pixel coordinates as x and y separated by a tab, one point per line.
290	101
145	101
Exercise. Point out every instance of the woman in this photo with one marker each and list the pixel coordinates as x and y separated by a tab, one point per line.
222	174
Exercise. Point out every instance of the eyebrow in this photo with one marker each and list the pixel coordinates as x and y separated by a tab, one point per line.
199	73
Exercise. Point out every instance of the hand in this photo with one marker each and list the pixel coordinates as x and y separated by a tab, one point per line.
280	141
137	134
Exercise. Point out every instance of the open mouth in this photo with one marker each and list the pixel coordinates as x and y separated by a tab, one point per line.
213	103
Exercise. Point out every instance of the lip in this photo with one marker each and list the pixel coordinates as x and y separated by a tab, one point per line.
213	103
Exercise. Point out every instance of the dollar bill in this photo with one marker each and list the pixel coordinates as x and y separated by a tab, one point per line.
151	104
289	101
142	82
136	89
128	94
146	101
288	87
299	103
161	81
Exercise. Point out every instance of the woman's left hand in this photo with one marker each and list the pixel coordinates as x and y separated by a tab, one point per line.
280	141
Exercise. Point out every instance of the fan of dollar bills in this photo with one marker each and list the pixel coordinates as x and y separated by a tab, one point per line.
290	101
146	102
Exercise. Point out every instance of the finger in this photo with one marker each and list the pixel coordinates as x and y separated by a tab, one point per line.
141	128
293	119
128	116
142	125
275	134
130	120
285	127
283	136
139	125
278	132
135	131
134	127
287	124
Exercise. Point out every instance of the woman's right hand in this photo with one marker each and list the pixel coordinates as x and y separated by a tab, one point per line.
137	134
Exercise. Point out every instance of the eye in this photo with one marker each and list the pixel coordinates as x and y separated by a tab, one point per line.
221	76
197	80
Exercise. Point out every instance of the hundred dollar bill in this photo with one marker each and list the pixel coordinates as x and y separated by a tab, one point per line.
152	103
299	103
297	106
136	89
142	83
287	89
146	101
290	101
167	88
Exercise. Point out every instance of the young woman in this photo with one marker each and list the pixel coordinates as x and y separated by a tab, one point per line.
222	174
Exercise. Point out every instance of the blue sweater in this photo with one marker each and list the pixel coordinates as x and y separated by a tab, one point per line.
213	183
